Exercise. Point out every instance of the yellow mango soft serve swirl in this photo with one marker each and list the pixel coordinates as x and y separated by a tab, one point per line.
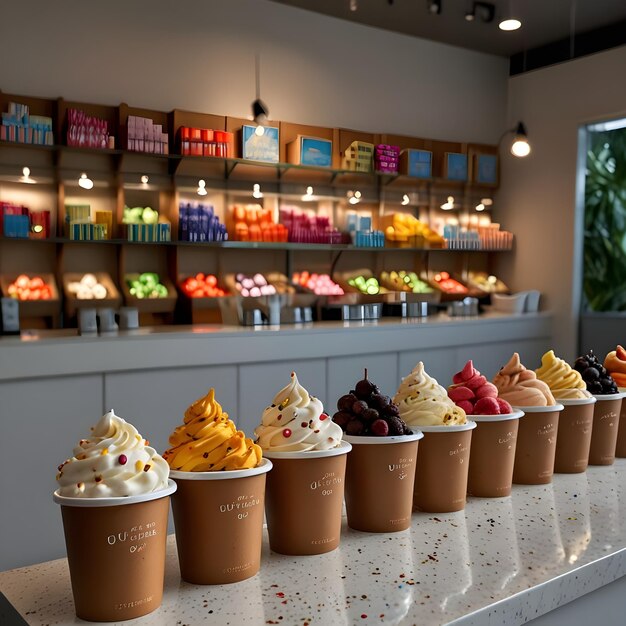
565	382
422	401
209	441
296	422
114	461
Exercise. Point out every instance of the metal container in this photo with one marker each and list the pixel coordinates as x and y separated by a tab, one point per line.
414	309
361	312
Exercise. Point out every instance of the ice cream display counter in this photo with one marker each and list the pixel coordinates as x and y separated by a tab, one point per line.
502	561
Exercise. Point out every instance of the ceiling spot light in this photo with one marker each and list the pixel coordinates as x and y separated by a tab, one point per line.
520	146
144	180
480	207
486	201
25	178
448	205
84	182
256	191
434	7
202	188
308	196
405	200
484	11
354	5
354	197
510	24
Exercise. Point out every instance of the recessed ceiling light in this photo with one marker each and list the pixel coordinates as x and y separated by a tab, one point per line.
510	23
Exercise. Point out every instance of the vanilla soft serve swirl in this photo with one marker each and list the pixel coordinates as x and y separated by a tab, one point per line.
296	422
115	460
422	401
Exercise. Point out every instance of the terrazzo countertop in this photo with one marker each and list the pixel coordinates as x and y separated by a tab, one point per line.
501	561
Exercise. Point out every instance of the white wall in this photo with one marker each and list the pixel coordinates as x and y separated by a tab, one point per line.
199	55
537	197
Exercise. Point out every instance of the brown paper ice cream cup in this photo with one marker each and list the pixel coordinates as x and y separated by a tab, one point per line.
606	416
493	455
620	449
536	445
219	523
304	500
442	468
574	436
380	476
116	553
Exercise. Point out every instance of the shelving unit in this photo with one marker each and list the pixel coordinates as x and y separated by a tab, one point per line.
173	178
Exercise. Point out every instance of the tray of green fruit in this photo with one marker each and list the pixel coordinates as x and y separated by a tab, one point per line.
149	292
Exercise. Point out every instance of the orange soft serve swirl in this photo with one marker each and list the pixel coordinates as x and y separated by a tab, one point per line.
615	362
520	386
208	440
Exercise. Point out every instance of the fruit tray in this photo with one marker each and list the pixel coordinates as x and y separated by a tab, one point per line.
72	304
150	305
35	308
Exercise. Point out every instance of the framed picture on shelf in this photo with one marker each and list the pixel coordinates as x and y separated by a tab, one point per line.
260	147
455	166
486	169
310	151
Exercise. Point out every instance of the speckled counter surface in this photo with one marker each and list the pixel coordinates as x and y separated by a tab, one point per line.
501	561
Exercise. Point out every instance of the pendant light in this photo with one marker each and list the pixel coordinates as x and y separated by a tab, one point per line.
509	20
259	108
520	146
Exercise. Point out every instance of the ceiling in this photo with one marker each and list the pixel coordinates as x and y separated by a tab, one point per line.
543	21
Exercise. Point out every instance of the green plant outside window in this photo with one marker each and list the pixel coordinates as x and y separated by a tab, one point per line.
604	276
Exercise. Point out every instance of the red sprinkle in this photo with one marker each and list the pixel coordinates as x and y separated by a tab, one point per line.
286	433
323	416
280	416
122	460
363	616
304	424
280	594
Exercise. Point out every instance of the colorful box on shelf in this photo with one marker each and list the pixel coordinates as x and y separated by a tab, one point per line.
360	229
15	221
403	230
358	157
455	166
386	158
486	169
87	131
492	238
155	233
87	231
305	228
80	227
255	223
21	127
416	163
311	151
458	238
263	148
146	136
205	142
198	222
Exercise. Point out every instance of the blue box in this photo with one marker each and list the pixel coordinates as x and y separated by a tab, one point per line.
416	163
486	169
456	166
311	151
264	148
